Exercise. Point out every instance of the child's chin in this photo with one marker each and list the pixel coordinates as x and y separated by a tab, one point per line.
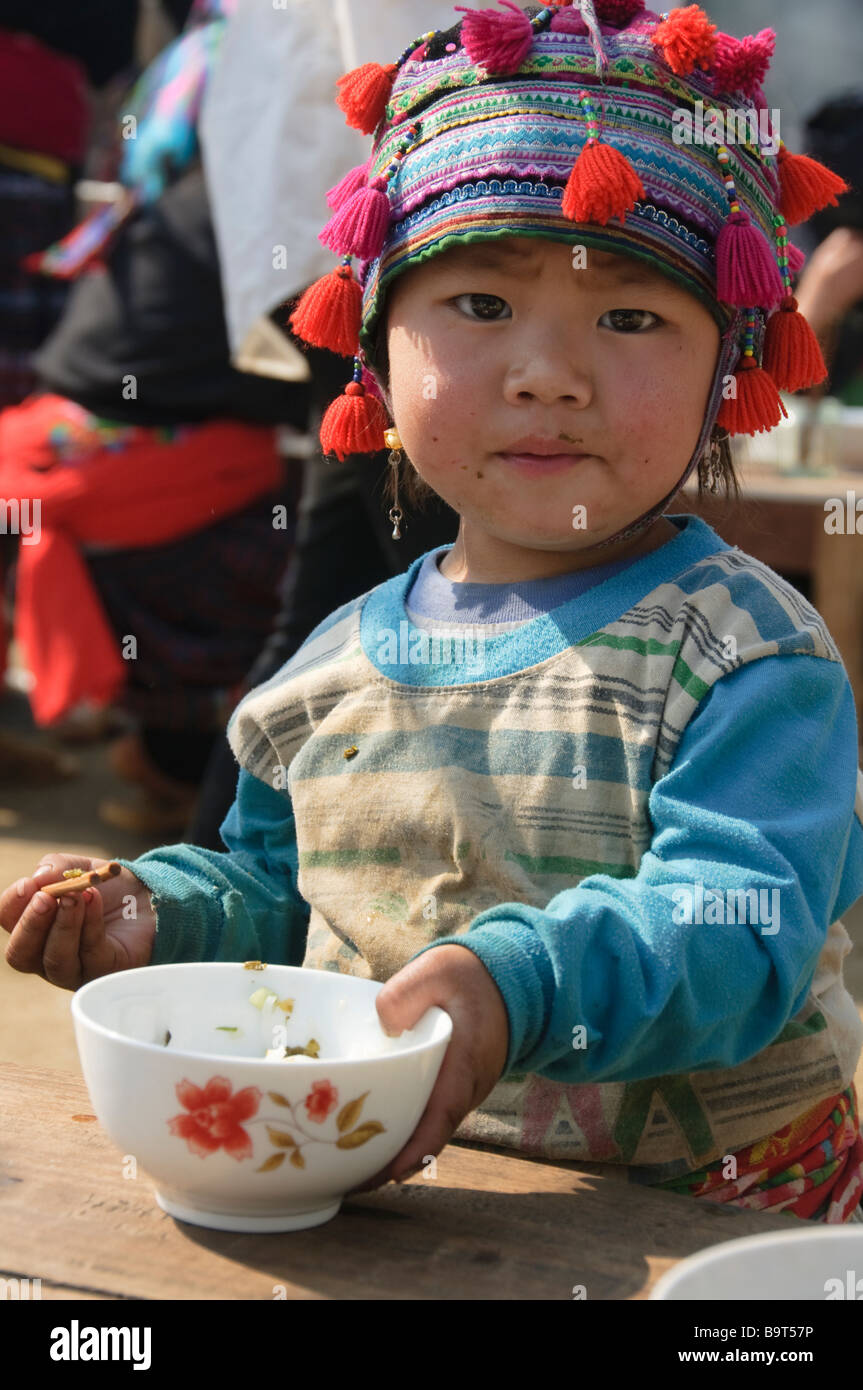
551	540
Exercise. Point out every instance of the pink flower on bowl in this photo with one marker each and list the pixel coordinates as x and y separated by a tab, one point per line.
322	1098
214	1116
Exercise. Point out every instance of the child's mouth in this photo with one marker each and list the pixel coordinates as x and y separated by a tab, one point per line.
542	463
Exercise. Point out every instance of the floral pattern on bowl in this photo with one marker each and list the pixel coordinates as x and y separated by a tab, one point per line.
214	1119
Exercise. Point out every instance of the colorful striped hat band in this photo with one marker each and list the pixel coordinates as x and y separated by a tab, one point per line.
593	122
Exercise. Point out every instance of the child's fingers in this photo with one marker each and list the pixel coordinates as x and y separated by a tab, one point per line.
52	865
448	1104
406	996
50	868
450	1101
30	933
92	952
17	896
61	963
379	1179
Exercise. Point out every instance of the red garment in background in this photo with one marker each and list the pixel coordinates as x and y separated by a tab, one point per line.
44	104
145	493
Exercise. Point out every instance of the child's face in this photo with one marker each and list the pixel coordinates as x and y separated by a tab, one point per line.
612	359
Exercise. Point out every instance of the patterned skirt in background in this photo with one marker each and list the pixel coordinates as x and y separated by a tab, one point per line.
193	652
34	212
812	1168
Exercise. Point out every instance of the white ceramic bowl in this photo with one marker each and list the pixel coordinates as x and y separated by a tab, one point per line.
816	1263
233	1140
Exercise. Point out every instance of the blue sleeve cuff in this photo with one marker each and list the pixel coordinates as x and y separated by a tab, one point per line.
241	904
522	969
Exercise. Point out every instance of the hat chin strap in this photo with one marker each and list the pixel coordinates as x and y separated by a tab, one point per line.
728	353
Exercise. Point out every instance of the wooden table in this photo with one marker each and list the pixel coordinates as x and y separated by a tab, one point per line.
489	1226
780	519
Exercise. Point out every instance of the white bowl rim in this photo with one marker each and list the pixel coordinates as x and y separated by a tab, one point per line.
728	1249
302	1063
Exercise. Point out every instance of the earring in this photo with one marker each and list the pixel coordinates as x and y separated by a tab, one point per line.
714	466
392	439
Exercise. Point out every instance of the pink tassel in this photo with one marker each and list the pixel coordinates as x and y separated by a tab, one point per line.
568	21
617	12
741	65
498	42
370	382
346	187
359	227
643	23
746	269
571	21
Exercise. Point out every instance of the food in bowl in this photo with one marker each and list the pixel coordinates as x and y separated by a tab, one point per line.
267	1000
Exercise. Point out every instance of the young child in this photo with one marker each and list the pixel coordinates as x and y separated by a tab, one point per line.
614	834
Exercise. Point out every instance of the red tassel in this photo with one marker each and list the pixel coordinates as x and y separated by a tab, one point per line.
329	313
602	185
687	40
746	268
498	42
791	353
364	93
354	423
359	227
756	406
806	186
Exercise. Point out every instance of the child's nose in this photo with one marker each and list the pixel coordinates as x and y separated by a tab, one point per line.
549	375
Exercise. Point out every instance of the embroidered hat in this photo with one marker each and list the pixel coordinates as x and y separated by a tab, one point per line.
597	122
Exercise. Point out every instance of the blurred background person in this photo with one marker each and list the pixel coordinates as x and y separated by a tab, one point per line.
54	59
830	288
53	56
167	513
268	192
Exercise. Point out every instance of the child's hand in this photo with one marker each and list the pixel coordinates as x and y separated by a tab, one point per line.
455	979
832	281
72	939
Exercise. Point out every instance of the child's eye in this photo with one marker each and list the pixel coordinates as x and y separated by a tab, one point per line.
485	301
630	320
